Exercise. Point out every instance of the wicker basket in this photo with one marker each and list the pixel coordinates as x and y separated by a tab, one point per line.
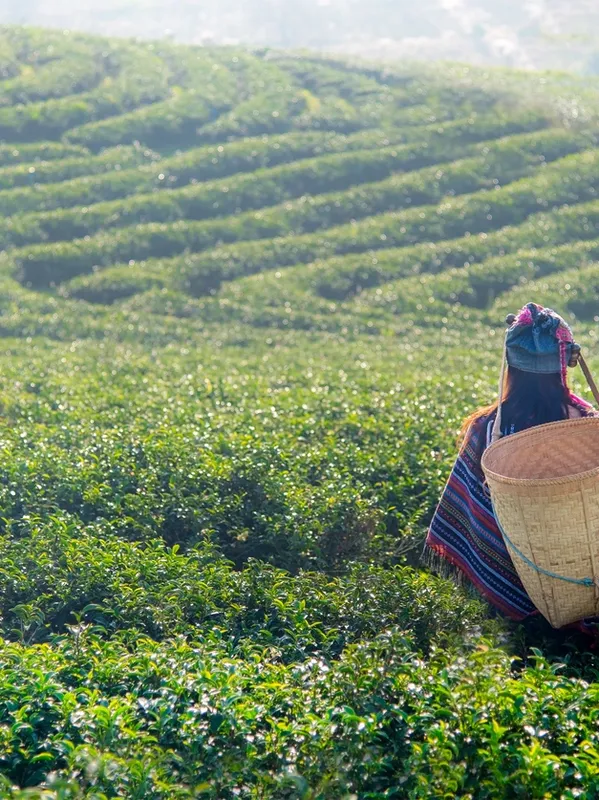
544	484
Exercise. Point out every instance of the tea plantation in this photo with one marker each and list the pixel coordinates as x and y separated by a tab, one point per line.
246	300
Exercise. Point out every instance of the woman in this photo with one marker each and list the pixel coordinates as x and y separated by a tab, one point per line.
463	534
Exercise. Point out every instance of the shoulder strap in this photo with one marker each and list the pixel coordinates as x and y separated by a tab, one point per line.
589	377
496	432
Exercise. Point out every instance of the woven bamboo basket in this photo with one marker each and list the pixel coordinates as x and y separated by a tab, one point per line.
544	484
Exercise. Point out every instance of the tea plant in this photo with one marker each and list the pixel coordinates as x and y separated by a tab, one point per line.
246	300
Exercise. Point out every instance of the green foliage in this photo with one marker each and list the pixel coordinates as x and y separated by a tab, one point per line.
134	76
492	164
575	290
41	151
340	278
204	163
114	159
479	285
208	89
572	179
234	366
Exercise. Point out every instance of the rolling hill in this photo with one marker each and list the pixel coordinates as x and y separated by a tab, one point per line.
247	299
541	34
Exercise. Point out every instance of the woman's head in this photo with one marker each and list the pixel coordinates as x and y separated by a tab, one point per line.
538	348
533	398
538	341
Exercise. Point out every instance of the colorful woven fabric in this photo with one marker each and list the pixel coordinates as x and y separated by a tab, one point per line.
464	531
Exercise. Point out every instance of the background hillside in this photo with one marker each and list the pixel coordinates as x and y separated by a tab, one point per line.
552	34
246	300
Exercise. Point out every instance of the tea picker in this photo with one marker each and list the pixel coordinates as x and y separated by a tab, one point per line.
519	516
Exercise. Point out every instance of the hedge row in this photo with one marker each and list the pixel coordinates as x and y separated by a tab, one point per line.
443	143
113	159
227	196
142	78
569	180
343	276
202	163
325	78
69	75
203	718
173	122
330	97
269	112
66	259
340	277
11	154
479	285
573	291
170	123
500	164
211	589
267	102
399	106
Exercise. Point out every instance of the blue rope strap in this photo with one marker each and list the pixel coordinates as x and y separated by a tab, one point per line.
528	562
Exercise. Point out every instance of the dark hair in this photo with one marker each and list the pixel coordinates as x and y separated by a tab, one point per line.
529	398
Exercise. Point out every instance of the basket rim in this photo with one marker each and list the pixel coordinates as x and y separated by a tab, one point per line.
533	432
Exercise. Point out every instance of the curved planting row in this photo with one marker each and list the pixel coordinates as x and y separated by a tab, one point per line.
11	154
71	258
272	186
425	146
71	74
326	78
201	91
338	278
113	159
573	290
341	277
569	180
480	285
140	77
170	123
202	163
498	163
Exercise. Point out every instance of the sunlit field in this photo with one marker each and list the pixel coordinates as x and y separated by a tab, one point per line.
246	301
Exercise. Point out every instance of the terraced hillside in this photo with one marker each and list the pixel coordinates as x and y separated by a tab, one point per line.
134	172
247	299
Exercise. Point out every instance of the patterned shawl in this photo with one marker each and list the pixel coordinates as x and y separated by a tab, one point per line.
464	531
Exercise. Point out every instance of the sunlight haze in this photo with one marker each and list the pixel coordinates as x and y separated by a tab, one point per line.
556	34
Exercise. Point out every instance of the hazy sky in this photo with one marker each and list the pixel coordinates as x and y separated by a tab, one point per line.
524	33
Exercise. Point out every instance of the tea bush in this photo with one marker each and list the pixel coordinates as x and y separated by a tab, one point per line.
203	89
232	376
115	158
40	151
71	74
575	290
340	278
572	179
207	162
479	285
202	163
498	163
136	76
